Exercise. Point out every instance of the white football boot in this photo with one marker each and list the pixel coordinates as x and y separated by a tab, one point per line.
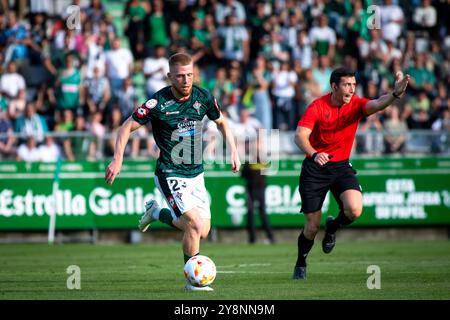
147	218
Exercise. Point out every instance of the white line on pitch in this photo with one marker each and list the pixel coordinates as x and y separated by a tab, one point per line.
246	265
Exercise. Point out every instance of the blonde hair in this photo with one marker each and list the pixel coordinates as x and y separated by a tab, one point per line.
182	59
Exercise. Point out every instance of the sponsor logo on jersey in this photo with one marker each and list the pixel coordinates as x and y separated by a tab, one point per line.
197	105
167	104
186	128
151	103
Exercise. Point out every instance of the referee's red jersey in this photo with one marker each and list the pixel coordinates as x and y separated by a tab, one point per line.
333	128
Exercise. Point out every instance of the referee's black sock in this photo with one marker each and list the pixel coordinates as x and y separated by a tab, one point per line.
304	246
341	221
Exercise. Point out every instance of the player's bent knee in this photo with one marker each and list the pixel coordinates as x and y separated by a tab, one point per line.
204	234
206	229
353	212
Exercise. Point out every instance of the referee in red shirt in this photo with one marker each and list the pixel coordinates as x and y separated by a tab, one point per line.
326	133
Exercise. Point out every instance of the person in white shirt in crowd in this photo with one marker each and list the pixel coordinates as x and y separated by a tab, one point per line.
323	38
96	57
28	151
155	71
283	91
13	87
49	151
119	66
392	20
425	17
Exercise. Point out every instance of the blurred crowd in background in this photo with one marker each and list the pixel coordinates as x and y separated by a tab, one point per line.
80	73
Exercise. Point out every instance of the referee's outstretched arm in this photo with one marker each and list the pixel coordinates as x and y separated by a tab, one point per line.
384	101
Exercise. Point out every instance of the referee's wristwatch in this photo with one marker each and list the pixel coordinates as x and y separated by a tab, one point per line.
313	156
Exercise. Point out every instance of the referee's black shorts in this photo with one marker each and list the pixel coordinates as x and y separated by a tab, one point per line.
317	180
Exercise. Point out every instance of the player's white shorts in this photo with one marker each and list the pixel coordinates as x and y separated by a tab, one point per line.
184	194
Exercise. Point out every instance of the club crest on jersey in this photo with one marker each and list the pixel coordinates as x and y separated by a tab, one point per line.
151	103
197	106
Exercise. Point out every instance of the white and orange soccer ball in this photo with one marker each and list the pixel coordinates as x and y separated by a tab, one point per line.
200	271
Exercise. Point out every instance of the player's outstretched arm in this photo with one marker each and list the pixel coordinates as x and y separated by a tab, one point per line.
384	101
123	135
222	125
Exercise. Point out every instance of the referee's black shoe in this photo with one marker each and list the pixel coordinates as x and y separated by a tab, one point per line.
299	273
329	240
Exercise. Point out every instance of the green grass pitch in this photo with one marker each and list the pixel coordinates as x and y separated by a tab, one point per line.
409	270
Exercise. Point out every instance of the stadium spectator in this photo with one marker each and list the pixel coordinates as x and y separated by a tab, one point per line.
323	38
31	123
49	151
258	81
66	125
392	20
135	13
79	144
441	142
221	87
127	98
97	92
233	8
157	27
28	151
302	50
15	37
370	139
422	77
396	129
155	71
425	18
68	86
98	130
119	66
13	88
283	91
7	139
231	42
321	73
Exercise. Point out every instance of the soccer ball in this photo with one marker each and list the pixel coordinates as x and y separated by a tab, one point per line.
200	271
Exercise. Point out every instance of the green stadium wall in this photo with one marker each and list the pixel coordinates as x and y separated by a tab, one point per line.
397	192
